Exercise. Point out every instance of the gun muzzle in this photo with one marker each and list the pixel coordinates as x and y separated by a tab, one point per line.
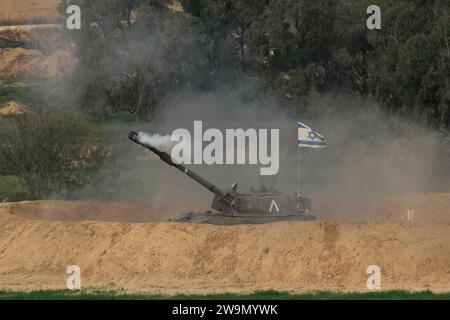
134	136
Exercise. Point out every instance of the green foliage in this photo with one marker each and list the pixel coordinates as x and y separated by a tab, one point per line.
134	66
300	46
410	66
13	188
294	47
51	152
20	94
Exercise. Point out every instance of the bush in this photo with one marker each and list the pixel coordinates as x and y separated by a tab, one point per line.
52	152
12	188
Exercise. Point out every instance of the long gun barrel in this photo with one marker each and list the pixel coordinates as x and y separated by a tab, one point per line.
134	136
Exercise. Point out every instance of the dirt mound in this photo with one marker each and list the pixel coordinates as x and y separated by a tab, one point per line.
12	108
175	257
100	211
20	62
25	33
26	11
46	38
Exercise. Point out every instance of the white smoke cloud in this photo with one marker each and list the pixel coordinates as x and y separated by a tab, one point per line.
162	142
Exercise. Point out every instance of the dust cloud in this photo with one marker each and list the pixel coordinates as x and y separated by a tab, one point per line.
369	152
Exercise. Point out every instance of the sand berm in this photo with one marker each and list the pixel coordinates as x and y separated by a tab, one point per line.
170	258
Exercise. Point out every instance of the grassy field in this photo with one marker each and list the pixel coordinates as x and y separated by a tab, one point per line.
23	92
266	295
16	94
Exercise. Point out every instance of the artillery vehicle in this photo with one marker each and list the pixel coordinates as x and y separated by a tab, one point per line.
231	207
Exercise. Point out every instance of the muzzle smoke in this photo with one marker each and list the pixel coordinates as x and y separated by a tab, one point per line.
162	142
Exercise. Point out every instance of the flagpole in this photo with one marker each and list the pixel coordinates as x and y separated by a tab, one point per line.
298	171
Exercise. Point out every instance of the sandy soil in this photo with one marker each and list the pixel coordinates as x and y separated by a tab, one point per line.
26	33
47	38
12	108
100	211
21	62
183	258
23	11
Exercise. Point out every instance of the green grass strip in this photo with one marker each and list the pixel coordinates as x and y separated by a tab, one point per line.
263	295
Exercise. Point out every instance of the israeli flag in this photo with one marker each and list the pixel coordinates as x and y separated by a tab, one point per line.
307	137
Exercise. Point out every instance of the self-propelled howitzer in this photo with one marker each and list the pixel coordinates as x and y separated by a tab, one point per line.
231	207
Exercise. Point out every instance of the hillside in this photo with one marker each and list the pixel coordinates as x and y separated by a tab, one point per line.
17	12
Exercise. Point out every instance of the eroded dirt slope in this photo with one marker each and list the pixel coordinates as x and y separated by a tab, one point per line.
184	258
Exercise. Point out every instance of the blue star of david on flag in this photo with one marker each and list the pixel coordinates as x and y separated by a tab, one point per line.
307	137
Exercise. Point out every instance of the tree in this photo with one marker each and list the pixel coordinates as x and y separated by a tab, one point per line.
292	47
409	70
229	22
52	152
133	67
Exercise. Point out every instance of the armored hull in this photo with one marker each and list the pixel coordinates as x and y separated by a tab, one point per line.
242	218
